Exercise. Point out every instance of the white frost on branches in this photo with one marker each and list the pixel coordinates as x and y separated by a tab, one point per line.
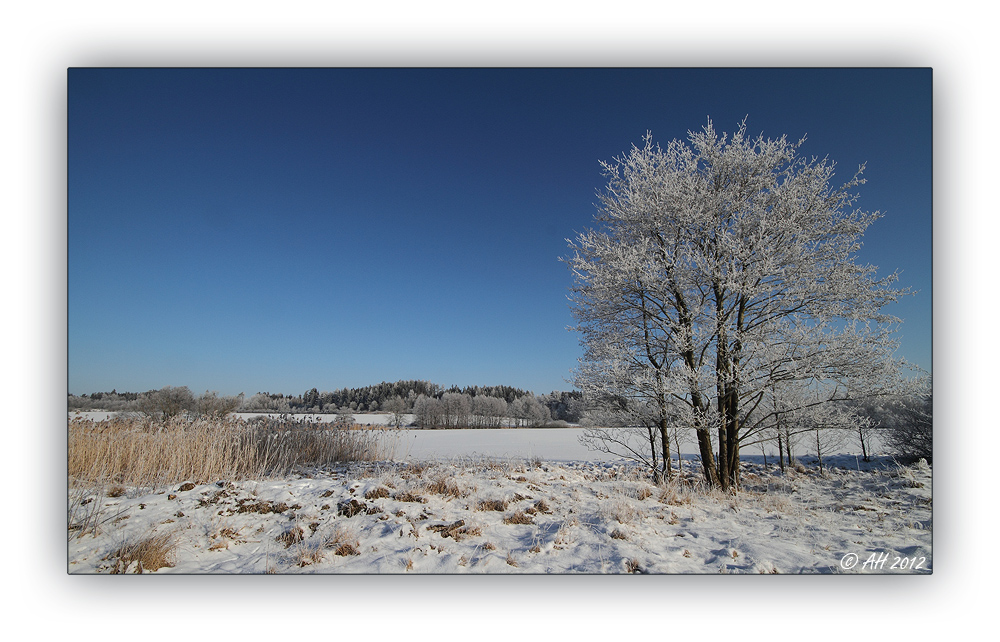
720	283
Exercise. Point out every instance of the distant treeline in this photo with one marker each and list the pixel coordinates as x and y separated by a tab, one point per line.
433	406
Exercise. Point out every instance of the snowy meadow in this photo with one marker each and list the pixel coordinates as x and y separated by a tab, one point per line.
467	501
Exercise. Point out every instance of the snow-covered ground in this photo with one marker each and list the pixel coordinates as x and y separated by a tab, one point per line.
516	515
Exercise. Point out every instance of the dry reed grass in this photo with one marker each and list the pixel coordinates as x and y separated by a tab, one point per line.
138	451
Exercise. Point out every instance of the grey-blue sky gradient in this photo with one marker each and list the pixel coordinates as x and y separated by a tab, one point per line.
279	229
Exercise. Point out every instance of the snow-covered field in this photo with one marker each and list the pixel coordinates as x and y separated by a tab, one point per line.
514	515
550	444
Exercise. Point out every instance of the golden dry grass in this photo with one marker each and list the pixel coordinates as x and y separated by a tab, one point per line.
141	452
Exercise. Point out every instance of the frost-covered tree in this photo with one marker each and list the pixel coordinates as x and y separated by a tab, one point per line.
396	407
487	411
529	411
264	402
311	400
721	270
869	429
211	404
456	407
428	412
167	402
344	419
908	426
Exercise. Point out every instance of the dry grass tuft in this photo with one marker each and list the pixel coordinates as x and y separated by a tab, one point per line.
262	507
377	493
518	518
674	494
563	536
442	486
346	549
293	535
407	496
149	554
618	534
620	509
342	542
308	555
498	505
415	468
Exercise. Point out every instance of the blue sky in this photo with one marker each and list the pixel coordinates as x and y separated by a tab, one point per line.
246	230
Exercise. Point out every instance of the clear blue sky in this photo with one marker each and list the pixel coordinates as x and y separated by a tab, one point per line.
246	230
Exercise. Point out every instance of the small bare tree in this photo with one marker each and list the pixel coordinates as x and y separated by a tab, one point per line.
166	402
212	405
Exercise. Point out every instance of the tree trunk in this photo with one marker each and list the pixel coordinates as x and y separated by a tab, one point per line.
657	476
680	461
704	442
720	374
664	426
732	434
723	457
819	452
707	458
733	399
701	427
781	455
665	447
721	385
